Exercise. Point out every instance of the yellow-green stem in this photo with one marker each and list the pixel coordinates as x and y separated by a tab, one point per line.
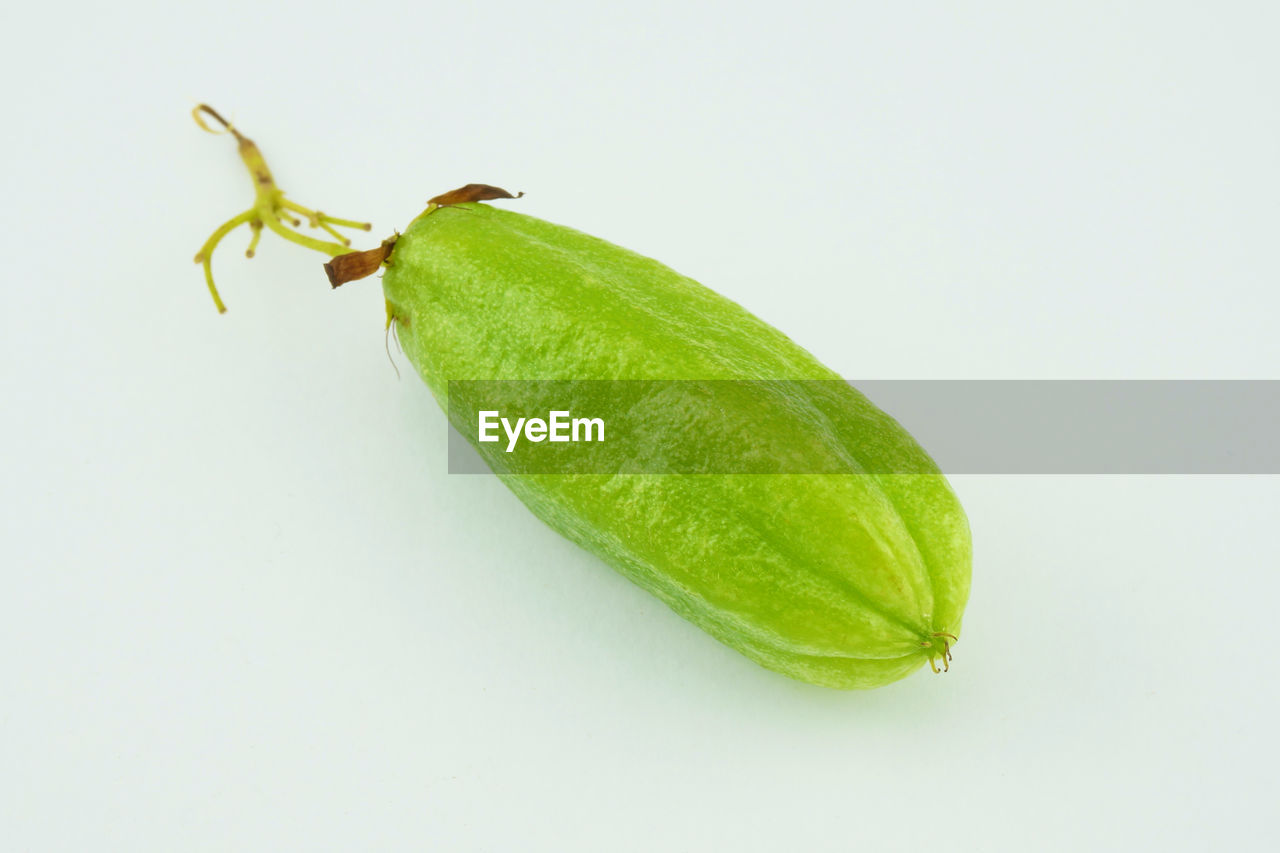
269	206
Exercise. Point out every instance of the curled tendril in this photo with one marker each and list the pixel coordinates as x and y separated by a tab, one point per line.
270	208
945	655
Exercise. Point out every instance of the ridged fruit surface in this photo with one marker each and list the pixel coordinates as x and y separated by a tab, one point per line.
848	580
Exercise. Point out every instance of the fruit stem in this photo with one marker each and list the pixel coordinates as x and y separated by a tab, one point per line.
270	209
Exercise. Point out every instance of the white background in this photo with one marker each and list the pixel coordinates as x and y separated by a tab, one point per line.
244	607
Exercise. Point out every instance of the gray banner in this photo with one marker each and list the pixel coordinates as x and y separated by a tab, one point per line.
815	427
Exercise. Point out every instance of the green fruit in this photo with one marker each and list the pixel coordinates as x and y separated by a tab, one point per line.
847	580
843	580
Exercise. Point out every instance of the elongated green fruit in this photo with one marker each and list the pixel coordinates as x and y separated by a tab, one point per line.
847	580
842	580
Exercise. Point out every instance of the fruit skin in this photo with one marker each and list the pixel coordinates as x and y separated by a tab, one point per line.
841	580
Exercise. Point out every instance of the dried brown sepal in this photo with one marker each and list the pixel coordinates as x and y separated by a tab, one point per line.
471	192
357	265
